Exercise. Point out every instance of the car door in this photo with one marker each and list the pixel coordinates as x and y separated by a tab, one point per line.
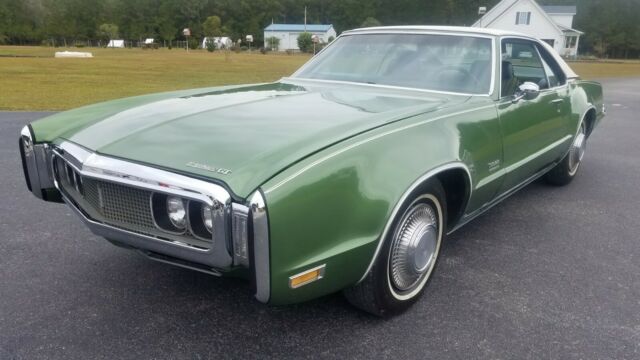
533	130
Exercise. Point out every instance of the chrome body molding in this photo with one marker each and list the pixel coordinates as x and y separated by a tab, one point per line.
261	254
127	173
146	243
92	165
467	218
430	174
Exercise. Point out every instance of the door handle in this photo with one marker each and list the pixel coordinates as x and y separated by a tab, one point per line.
557	101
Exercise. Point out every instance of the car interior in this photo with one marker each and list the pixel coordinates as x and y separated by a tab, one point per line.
522	62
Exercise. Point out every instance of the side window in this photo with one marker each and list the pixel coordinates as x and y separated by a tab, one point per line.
552	69
520	63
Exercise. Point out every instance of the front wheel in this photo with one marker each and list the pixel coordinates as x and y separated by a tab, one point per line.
563	173
408	255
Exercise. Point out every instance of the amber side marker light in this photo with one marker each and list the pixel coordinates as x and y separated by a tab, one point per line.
307	277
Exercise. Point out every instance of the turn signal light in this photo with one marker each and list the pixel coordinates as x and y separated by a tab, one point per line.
307	277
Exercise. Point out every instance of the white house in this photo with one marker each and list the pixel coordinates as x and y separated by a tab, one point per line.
552	24
288	34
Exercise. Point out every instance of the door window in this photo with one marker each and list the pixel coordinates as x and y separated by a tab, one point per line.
520	63
552	69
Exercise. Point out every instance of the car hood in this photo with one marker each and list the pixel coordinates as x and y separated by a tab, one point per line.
240	136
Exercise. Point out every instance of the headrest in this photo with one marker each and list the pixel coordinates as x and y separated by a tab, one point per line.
507	70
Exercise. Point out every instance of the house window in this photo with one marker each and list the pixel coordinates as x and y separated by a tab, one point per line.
551	42
523	18
570	42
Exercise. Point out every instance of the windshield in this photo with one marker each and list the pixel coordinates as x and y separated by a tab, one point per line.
451	63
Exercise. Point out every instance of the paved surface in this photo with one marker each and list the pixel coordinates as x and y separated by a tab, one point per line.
550	273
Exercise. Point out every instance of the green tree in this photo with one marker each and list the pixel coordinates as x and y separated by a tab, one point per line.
305	42
370	22
109	31
212	26
273	43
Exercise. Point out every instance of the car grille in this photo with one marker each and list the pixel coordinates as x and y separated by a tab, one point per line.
117	205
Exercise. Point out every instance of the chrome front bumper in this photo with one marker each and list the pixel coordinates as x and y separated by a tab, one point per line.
35	163
40	174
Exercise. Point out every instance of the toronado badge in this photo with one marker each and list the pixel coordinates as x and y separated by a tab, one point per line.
208	168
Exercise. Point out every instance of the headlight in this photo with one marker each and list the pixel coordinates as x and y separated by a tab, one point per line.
176	212
181	216
207	217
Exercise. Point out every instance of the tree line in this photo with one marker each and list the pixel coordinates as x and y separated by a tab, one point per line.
610	26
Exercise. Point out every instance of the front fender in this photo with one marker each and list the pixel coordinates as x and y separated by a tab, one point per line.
332	208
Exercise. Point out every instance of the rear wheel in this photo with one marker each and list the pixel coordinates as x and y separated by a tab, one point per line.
563	173
408	255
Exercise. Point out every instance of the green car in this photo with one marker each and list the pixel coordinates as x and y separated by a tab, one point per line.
348	175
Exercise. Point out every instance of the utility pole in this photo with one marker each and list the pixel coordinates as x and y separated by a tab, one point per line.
305	19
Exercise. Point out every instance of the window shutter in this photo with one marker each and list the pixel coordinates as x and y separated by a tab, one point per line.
529	18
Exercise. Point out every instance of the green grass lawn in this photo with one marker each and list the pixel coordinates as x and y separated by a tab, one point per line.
32	79
35	80
606	69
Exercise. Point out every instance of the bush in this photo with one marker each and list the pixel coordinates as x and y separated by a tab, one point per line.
244	48
320	46
193	43
211	45
331	38
305	42
4	39
273	43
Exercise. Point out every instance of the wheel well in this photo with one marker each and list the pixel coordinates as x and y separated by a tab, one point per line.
590	120
457	189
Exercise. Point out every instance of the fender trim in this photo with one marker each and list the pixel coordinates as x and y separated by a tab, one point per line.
428	175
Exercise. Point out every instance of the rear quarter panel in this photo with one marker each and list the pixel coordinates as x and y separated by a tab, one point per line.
586	95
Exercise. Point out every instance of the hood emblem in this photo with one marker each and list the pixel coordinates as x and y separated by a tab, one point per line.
205	167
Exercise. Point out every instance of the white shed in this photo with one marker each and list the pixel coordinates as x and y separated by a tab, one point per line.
551	24
116	44
222	42
288	34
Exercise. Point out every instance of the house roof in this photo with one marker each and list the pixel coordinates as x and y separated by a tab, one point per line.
569	30
299	27
564	10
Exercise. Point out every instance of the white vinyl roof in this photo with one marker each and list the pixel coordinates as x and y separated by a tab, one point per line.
456	29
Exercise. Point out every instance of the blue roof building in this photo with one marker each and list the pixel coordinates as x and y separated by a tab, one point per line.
288	34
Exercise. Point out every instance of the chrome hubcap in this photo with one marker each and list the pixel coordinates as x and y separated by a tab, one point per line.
414	247
577	150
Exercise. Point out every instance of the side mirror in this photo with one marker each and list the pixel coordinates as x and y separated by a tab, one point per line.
527	91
